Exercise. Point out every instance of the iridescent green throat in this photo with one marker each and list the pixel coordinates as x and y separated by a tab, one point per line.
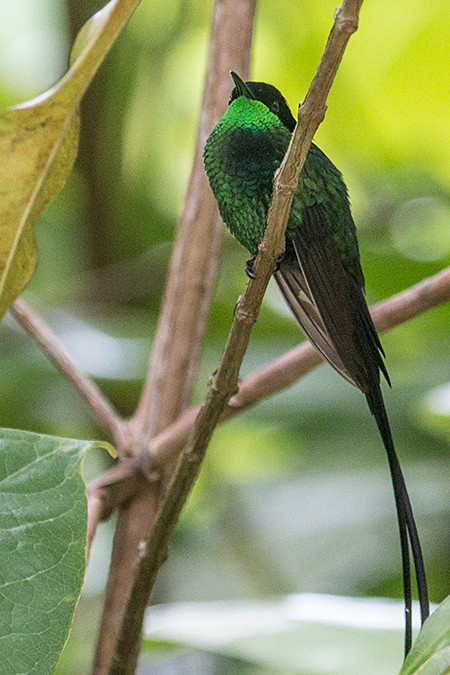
241	156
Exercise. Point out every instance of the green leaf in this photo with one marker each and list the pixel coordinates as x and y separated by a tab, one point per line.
430	654
43	522
38	146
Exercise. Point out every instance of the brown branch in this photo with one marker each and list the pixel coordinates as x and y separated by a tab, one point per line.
177	347
176	350
102	410
291	366
224	383
312	111
109	492
273	378
222	387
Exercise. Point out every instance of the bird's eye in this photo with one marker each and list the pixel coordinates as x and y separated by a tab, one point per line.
275	107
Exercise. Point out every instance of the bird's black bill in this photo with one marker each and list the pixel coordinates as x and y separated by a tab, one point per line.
241	87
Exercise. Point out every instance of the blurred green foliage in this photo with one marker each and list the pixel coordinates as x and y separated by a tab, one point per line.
104	249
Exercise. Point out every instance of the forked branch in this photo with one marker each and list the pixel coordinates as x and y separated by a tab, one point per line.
268	380
224	382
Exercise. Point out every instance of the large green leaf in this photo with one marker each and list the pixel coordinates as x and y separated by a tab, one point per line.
38	145
43	520
430	654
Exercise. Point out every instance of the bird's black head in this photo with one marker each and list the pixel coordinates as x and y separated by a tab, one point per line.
267	94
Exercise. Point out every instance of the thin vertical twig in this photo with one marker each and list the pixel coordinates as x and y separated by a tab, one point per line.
224	382
176	351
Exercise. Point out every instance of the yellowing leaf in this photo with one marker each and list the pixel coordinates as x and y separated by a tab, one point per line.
38	146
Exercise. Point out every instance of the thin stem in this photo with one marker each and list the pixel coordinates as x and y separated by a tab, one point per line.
291	366
276	376
222	387
104	413
177	347
224	382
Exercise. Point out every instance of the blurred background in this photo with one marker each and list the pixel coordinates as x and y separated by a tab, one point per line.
295	494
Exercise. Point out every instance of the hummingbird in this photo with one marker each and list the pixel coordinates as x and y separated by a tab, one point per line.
319	274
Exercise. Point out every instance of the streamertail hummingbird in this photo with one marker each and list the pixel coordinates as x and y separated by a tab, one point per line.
319	274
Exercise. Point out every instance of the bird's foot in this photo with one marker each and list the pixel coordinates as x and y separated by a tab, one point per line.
249	268
279	261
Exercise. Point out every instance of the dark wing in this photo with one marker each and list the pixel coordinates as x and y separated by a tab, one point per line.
327	301
296	292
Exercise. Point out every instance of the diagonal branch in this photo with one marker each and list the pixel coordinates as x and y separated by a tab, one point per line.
291	366
271	379
102	410
224	382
